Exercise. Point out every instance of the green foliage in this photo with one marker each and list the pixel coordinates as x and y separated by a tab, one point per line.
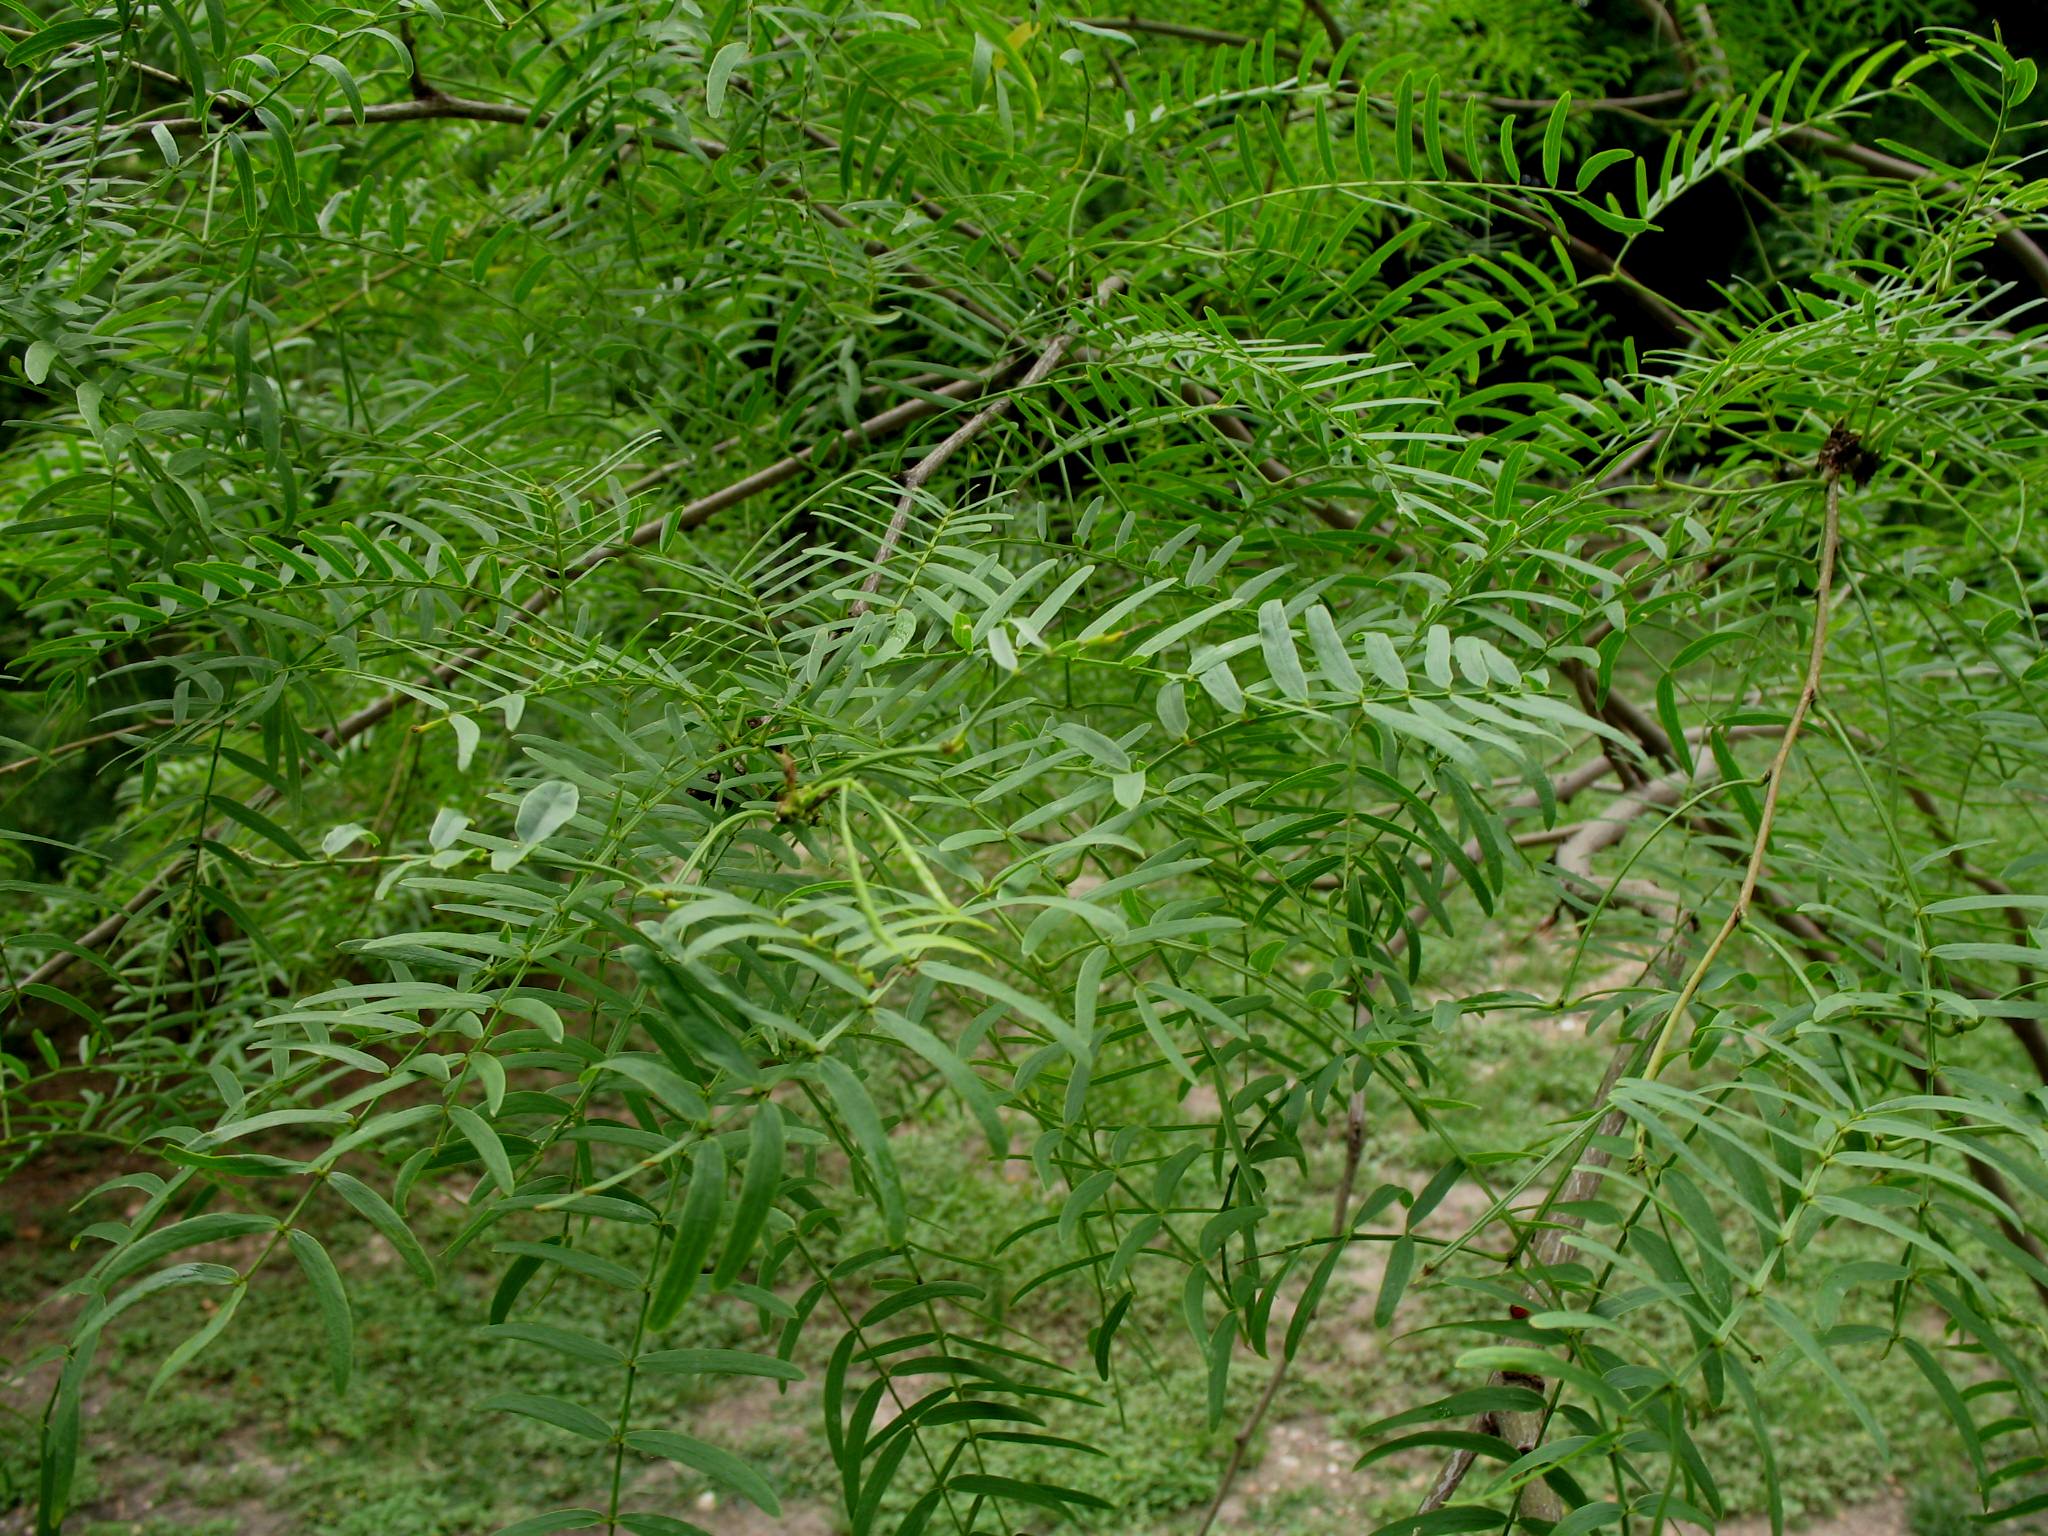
658	696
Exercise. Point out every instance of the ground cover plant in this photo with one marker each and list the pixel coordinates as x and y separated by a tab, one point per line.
935	769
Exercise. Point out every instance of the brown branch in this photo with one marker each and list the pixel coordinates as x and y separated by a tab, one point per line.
1632	461
1186	33
364	719
914	481
1541	837
881	249
147	71
85	742
1666	26
1587	687
1574	858
1218	38
1332	29
693	515
1604	831
418	110
1815	940
1666	98
1546	1250
1565	788
416	82
1234	427
429	104
1583	1183
2014	241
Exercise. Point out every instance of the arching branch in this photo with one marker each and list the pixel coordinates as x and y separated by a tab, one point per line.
883	425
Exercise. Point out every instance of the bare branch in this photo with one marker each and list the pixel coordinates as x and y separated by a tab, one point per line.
968	430
1575	854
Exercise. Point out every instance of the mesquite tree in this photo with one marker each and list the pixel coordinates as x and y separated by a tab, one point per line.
607	605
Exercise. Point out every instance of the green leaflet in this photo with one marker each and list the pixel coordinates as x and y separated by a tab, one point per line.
759	1181
190	1233
377	1211
189	1349
332	1300
718	1362
720	1465
478	1132
696	1230
559	1412
857	1109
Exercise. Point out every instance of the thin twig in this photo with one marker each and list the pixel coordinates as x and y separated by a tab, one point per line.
1666	26
1234	427
1575	1187
429	103
84	742
1818	943
1579	1184
1332	28
1565	788
1228	423
1676	93
1633	460
147	71
2014	241
1830	540
922	471
939	214
418	110
1540	837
